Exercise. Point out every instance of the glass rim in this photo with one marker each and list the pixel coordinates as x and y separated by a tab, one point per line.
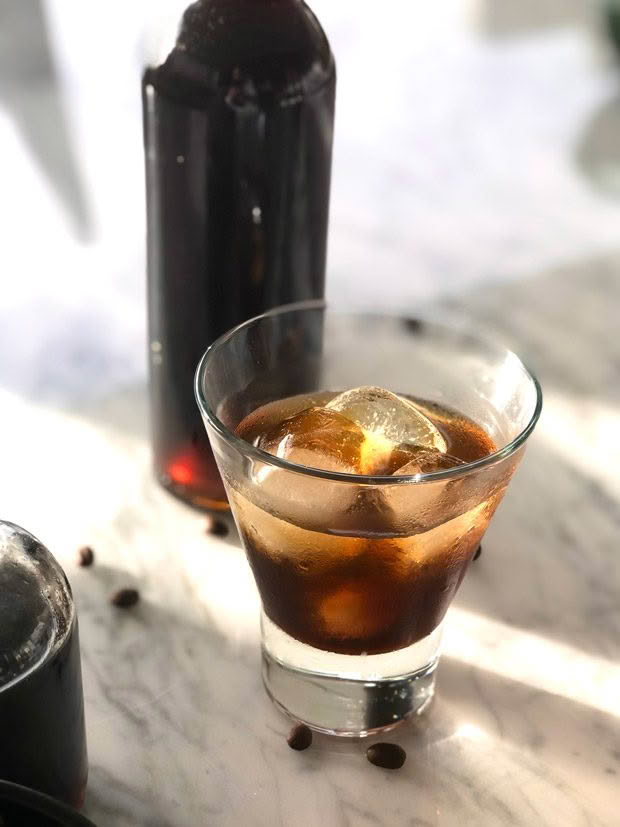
252	451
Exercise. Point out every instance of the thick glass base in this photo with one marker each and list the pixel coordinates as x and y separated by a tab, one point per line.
349	695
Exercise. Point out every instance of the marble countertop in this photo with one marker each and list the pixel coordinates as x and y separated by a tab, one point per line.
524	729
503	187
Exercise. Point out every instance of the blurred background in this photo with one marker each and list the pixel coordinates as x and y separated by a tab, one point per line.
477	141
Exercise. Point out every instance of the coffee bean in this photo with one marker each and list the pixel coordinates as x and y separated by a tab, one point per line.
125	598
300	737
478	552
412	325
217	528
85	556
388	756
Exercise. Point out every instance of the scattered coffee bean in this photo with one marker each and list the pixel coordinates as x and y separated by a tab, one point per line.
388	756
300	737
85	556
478	552
216	527
412	325
125	598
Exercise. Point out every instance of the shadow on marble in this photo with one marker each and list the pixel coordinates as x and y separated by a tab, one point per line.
501	18
503	741
598	151
232	538
549	564
185	717
29	91
469	698
165	695
550	550
529	718
181	733
562	322
566	746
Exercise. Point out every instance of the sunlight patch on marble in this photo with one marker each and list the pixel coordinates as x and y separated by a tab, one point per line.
532	659
65	470
471	731
584	432
223	583
224	586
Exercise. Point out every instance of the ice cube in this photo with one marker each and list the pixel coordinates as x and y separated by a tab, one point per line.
324	439
422	460
349	611
388	421
318	438
377	432
367	513
424	506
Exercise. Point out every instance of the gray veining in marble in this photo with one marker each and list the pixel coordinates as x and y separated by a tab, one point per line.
180	731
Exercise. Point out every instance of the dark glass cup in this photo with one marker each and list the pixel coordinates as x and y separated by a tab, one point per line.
43	740
21	807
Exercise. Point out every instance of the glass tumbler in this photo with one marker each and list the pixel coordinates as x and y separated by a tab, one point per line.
356	572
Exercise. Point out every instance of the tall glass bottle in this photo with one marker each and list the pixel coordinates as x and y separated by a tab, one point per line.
238	128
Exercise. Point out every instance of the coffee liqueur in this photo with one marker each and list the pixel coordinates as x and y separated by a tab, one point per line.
238	126
377	571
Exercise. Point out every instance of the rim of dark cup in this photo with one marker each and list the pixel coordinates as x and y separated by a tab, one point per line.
34	803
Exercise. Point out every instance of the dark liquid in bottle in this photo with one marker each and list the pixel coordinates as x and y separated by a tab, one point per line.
43	741
369	570
238	123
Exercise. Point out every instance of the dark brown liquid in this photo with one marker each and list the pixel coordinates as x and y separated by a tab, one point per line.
380	574
42	736
238	124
